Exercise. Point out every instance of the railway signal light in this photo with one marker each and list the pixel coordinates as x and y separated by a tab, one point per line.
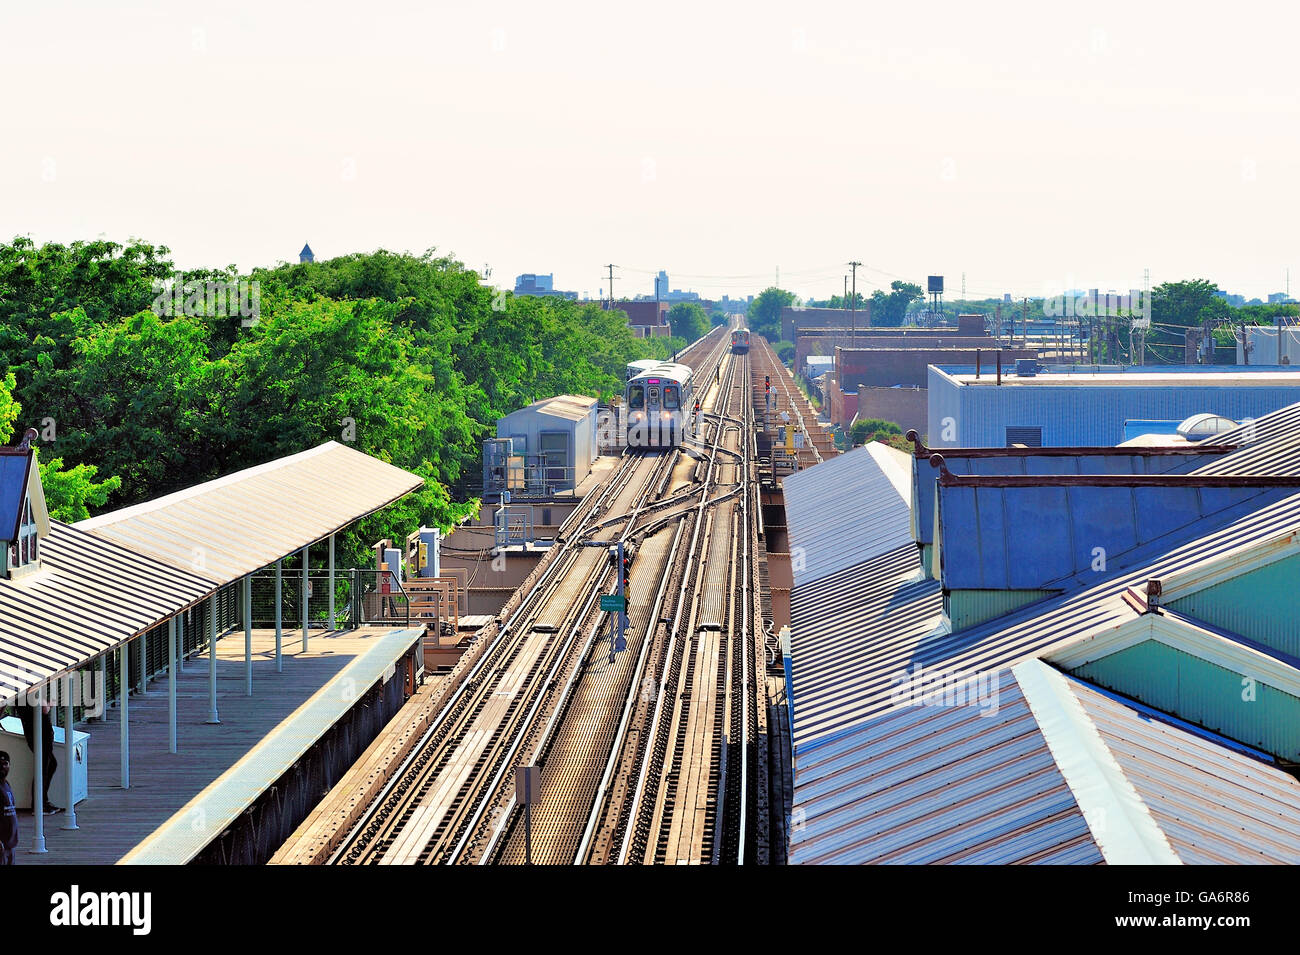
767	383
627	575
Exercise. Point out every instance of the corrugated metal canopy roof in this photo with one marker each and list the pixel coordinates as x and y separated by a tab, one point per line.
89	596
230	527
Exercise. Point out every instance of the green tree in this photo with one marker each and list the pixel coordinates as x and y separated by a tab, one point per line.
889	309
765	312
1182	303
866	430
69	493
688	321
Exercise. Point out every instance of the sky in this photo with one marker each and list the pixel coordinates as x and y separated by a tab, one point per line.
1029	147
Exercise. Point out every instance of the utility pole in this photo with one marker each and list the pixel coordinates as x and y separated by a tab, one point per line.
611	284
854	314
1024	323
846	288
963	286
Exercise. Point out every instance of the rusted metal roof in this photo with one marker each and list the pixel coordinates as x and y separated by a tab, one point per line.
232	526
89	596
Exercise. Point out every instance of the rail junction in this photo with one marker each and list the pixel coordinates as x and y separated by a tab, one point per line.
661	753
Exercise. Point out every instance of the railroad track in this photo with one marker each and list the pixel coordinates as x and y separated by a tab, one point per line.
535	689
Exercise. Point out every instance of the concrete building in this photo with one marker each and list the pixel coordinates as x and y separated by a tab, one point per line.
1088	405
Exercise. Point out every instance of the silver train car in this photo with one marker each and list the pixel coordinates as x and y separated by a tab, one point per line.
660	407
635	368
739	341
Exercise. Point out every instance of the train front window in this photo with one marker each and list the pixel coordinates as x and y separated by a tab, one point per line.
670	398
654	397
636	397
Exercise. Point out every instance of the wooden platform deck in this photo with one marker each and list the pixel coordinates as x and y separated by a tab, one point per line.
114	820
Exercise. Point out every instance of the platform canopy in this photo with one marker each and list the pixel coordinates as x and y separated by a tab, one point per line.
235	525
89	596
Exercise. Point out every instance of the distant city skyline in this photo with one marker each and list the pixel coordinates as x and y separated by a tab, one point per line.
1034	150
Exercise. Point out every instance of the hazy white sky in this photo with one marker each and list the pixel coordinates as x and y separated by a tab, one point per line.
1031	146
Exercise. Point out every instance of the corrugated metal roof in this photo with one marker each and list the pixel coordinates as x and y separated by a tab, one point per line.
1049	624
232	526
827	536
90	596
843	625
939	784
1214	803
977	783
1272	446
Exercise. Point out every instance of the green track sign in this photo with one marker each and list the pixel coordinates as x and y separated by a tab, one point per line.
613	602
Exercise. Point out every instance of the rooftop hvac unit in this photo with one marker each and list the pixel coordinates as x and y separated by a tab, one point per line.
1026	367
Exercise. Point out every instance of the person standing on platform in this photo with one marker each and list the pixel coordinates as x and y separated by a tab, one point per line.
29	717
8	814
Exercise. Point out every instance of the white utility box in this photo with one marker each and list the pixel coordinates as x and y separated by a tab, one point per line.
14	743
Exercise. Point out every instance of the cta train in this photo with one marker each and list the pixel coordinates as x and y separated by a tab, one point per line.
739	340
635	368
660	407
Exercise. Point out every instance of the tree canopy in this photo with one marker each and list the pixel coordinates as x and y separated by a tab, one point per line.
765	312
410	358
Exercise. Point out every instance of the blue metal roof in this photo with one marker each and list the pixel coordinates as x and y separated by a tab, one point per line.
1024	538
925	475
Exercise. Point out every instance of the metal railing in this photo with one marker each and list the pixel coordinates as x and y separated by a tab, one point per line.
362	596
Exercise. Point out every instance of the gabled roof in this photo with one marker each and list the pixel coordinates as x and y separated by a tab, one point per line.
89	596
237	524
1039	767
1034	631
306	250
827	536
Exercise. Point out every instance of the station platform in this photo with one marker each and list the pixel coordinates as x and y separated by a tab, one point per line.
177	804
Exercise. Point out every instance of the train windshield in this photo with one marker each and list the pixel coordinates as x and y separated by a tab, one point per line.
670	398
636	397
